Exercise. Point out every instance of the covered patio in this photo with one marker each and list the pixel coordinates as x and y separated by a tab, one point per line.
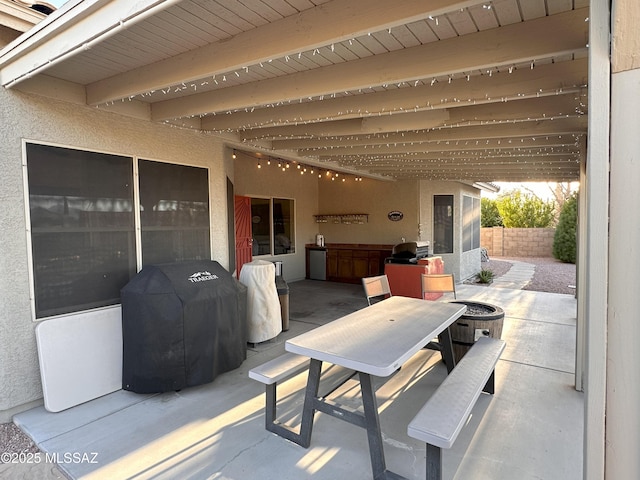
531	428
412	99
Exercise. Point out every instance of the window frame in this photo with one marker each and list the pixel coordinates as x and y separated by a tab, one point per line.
471	218
137	227
272	234
450	232
171	228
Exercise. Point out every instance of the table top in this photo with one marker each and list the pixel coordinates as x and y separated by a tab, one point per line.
380	338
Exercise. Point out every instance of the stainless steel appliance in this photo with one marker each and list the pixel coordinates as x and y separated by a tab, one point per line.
318	264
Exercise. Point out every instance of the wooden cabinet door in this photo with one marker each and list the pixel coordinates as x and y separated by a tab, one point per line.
375	264
345	264
360	264
332	264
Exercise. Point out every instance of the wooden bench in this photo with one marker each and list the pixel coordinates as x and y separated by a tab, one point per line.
270	373
440	420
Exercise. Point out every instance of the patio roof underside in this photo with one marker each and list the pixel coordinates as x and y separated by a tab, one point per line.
473	90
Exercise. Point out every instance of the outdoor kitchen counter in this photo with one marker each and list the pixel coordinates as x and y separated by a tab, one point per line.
350	262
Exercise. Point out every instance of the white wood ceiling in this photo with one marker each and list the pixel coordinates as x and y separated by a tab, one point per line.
441	89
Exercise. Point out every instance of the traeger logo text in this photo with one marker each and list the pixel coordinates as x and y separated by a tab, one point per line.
202	277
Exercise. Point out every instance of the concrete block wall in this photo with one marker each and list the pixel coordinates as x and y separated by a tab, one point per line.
518	242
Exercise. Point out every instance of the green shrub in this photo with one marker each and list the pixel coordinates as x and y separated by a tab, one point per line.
564	240
489	215
485	276
520	210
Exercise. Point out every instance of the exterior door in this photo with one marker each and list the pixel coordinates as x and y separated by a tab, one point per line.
244	238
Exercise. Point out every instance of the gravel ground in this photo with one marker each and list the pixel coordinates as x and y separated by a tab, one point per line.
551	275
12	440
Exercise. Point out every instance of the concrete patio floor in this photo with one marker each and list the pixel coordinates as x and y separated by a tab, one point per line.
530	429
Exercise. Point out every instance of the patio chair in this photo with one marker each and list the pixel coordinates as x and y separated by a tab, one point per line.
376	287
438	283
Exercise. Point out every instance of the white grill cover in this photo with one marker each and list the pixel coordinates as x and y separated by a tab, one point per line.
264	318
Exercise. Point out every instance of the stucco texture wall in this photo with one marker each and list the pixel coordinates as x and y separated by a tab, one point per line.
29	117
376	198
462	265
270	181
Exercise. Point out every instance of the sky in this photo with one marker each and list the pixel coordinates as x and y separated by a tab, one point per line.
56	3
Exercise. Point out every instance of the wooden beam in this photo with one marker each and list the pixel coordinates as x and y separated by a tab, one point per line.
331	22
543	80
479	134
498	176
557	106
524	109
434	158
545	37
625	50
542	161
485	173
492	176
569	140
427	154
388	123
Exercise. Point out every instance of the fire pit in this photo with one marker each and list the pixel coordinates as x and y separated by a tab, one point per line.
479	320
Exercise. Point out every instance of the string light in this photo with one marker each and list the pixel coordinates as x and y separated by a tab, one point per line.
498	70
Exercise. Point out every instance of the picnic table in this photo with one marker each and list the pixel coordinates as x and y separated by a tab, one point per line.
376	340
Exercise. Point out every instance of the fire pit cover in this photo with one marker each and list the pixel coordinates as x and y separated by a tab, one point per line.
182	325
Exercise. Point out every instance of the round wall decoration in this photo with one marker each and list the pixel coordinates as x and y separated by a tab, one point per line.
395	215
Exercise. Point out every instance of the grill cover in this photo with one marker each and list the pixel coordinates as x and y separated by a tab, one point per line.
182	325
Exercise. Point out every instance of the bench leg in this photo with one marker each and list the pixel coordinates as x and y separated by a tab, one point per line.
444	339
434	463
270	404
490	386
270	417
303	438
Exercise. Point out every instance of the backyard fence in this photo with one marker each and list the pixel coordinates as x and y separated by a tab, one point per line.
517	242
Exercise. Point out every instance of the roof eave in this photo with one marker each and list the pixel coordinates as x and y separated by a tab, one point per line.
76	26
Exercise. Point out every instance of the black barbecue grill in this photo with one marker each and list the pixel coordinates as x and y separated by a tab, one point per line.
183	324
408	252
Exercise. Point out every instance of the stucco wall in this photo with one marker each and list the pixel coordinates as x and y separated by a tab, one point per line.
34	118
462	264
376	198
269	181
